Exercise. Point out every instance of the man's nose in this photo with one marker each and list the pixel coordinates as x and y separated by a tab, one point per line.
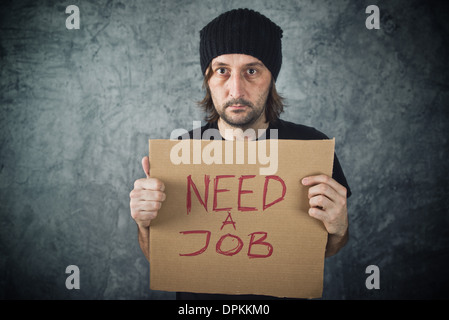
237	86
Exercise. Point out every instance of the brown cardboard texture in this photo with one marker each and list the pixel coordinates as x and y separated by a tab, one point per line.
226	228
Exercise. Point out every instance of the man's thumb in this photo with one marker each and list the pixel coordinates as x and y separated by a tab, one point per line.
146	165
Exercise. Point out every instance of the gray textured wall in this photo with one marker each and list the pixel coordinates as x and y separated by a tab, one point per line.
77	108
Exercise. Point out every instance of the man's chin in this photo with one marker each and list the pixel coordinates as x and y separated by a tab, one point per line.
239	123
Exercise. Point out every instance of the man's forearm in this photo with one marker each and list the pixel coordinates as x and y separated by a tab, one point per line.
143	234
335	243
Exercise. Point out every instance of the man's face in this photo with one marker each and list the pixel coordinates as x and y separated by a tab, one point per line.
239	87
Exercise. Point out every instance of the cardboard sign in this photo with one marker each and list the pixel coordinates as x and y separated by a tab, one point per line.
225	228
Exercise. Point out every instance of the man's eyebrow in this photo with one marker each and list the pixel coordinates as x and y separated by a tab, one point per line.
251	64
255	64
219	64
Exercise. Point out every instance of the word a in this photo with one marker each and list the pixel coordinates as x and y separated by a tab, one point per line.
72	21
72	281
213	152
372	282
373	21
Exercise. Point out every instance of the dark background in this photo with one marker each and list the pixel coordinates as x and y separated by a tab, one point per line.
77	108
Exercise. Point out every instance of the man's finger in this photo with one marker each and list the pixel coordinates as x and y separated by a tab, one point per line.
321	202
322	178
151	195
323	189
146	205
144	215
146	165
149	184
319	214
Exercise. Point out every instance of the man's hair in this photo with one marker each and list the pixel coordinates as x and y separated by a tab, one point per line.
273	108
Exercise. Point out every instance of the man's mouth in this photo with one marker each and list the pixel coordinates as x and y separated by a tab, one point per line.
237	107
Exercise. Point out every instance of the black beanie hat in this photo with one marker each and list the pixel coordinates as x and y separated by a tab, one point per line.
242	31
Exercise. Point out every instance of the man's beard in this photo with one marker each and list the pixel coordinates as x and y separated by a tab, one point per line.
253	114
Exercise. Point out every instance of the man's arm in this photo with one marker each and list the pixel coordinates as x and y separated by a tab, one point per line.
145	201
143	234
328	203
335	243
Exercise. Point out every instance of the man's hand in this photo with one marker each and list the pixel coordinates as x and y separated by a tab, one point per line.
327	199
146	197
146	200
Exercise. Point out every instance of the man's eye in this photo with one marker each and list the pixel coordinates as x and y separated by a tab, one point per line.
221	70
252	71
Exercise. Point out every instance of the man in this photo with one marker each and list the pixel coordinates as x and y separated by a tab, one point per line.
241	56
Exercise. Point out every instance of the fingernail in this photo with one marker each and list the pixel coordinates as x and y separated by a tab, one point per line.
304	181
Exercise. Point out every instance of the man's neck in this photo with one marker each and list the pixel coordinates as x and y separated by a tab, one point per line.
253	132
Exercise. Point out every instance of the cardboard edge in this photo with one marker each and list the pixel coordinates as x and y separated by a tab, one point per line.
316	295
